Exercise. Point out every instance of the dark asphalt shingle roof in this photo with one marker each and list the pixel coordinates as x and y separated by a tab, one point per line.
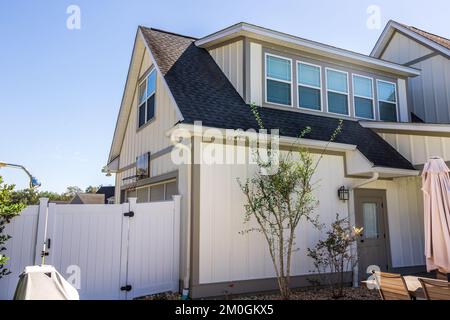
202	92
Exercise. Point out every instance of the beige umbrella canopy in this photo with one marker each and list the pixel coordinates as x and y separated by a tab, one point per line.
436	193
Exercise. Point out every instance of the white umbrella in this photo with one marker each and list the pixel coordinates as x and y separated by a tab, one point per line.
436	192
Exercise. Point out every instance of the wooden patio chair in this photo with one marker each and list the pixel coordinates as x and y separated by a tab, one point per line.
435	289
392	286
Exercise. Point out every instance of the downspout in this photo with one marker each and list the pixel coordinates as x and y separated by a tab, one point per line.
351	212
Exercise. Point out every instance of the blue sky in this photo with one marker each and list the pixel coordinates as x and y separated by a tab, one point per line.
60	89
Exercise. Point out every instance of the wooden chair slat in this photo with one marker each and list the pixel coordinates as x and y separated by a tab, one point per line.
435	289
392	286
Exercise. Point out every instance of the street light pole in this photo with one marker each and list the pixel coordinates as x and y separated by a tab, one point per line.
34	183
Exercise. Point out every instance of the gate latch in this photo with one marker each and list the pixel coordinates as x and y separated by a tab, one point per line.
126	288
129	214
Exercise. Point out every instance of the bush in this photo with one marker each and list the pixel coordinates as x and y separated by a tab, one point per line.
333	255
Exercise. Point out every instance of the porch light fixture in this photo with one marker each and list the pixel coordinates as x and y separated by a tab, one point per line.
343	193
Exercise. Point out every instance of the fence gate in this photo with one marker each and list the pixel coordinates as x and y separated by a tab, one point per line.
118	251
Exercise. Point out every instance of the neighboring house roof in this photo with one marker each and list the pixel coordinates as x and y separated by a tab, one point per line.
430	40
202	92
88	198
107	191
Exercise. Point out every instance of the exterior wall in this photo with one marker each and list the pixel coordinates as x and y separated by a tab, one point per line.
230	59
257	92
225	255
152	136
405	220
402	49
429	93
418	148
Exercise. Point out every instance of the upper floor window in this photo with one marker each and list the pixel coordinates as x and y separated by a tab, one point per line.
363	97
387	100
278	80
309	84
146	102
337	91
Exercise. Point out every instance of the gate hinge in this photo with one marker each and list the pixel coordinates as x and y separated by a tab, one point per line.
126	288
44	253
129	214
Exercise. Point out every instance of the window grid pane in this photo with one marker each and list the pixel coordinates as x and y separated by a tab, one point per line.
142	94
151	83
388	111
309	98
362	87
278	68
278	92
370	230
364	108
142	115
337	103
337	81
386	92
308	75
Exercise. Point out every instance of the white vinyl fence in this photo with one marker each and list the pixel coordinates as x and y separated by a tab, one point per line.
119	251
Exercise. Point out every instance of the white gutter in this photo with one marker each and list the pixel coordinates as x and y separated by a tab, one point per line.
352	215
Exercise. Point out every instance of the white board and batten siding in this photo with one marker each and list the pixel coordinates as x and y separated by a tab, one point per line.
230	59
419	148
227	255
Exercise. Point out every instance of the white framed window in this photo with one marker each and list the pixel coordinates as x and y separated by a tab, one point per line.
146	98
363	97
387	100
337	91
309	86
278	80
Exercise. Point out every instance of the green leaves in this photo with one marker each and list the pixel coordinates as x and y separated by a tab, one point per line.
8	210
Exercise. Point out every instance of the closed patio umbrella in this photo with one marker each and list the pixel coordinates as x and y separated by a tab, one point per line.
436	191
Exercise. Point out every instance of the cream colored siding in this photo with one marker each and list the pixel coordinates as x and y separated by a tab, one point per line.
402	49
256	74
430	92
152	136
226	255
230	59
418	149
162	165
405	220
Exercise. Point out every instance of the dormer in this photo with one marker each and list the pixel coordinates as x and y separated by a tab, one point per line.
278	70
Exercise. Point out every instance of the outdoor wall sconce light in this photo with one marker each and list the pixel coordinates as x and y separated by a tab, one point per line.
343	193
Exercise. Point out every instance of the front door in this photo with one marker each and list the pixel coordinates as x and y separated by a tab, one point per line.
370	213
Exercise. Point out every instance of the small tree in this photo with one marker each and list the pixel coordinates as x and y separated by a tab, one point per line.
333	255
8	210
278	202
